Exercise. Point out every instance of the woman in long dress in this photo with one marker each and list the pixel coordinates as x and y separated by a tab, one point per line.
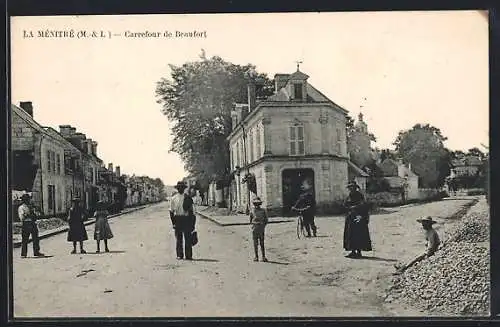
76	232
356	233
102	231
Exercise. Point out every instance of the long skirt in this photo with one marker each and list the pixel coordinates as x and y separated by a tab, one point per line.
77	232
102	230
357	235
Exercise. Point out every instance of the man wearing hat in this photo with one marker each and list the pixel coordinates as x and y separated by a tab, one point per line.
259	220
432	238
183	221
27	215
307	201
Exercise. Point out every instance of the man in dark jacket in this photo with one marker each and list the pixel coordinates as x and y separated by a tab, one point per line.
307	201
183	220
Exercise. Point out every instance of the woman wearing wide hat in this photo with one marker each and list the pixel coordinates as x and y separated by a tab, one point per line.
76	232
356	233
102	231
183	221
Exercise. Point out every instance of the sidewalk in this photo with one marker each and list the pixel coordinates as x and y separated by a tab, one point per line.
16	239
235	220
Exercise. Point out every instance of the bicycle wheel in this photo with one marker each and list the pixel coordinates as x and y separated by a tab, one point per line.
300	226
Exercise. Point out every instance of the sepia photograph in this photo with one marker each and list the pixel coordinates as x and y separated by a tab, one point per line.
299	165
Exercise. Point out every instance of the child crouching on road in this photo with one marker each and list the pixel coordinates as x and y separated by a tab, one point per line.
258	219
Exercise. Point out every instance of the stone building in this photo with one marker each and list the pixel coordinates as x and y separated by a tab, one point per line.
39	162
295	134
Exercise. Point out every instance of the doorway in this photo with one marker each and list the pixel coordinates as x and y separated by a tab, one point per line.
291	187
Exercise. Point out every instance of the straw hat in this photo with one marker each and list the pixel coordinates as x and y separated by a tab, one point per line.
257	200
427	220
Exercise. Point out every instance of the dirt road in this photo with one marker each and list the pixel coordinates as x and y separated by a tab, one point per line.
141	276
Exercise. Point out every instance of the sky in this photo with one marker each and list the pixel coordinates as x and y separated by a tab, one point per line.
398	68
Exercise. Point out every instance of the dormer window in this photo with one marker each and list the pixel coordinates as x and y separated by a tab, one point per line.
297	91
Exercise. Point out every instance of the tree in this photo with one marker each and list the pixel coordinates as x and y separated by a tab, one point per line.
476	152
198	100
423	147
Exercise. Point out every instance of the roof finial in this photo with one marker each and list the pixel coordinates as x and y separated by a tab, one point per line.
360	116
298	63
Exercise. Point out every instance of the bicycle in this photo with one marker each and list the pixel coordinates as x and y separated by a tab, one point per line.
300	222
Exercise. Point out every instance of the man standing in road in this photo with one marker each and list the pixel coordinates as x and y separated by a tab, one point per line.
28	218
307	200
183	221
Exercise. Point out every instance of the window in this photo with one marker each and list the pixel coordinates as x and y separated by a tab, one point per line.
296	140
298	91
53	161
59	164
51	198
257	142
49	164
250	146
339	141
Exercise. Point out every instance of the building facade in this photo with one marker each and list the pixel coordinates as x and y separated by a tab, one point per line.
296	134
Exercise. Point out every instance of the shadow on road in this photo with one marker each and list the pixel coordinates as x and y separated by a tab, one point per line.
277	262
379	259
103	252
206	260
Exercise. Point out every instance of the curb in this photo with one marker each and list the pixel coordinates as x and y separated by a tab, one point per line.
63	229
238	224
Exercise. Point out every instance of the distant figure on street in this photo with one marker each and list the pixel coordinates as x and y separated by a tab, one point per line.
307	201
356	233
197	198
102	231
76	232
183	221
259	220
433	242
27	215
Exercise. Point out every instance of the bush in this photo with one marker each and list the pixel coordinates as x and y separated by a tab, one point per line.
476	192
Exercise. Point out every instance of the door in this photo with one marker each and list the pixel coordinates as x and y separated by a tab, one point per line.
51	199
291	187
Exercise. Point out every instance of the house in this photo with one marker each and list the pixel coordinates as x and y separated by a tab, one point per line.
85	166
295	134
400	176
39	165
466	166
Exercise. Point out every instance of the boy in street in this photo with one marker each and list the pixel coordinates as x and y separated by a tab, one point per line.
432	238
307	201
259	220
27	215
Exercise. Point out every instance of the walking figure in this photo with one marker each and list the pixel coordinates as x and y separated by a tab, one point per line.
76	232
27	215
356	233
102	231
183	221
259	220
306	199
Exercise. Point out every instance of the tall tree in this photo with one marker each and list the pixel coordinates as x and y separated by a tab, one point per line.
476	152
423	147
198	100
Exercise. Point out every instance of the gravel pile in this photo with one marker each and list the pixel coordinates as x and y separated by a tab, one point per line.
454	281
473	228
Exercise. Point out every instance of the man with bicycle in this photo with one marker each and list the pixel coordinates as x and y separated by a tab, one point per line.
307	205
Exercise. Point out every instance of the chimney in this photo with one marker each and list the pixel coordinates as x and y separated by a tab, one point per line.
89	146
110	167
251	96
94	148
65	130
117	171
280	81
80	140
27	106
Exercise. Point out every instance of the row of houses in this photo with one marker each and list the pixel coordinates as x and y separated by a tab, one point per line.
58	165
